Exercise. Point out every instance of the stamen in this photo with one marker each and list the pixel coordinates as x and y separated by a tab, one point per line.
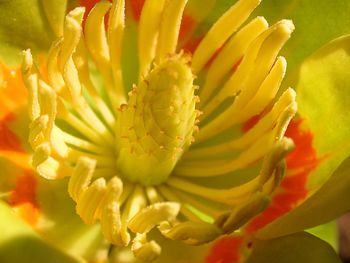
227	196
89	200
231	221
30	77
81	177
135	203
81	62
170	28
84	144
97	43
144	250
116	24
152	195
54	74
70	74
148	33
110	212
47	166
204	207
253	152
192	233
229	55
227	24
260	49
153	215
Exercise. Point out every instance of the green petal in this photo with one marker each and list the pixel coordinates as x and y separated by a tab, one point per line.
329	202
300	247
61	225
327	232
19	243
323	88
55	13
28	24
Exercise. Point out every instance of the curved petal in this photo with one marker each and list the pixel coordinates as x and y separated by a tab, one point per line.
18	241
293	248
323	86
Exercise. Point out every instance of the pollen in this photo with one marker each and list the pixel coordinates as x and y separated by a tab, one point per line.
167	153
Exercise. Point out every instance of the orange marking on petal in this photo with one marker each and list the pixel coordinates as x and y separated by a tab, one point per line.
225	250
188	25
250	123
28	213
10	145
136	8
192	44
13	94
20	159
23	198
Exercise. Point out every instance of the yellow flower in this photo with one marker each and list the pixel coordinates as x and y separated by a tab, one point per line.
137	161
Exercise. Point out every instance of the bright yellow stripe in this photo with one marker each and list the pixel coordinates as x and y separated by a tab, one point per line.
72	35
196	203
230	196
230	54
54	74
170	28
97	44
148	33
84	144
244	72
257	150
30	77
266	123
265	59
81	62
221	31
18	158
80	126
210	168
266	92
116	24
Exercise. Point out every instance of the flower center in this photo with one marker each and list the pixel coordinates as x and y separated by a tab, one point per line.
157	124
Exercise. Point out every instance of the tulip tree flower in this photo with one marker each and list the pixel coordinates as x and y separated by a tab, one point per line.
152	132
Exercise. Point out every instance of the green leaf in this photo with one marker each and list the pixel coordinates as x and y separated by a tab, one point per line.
19	243
300	247
28	24
328	203
323	94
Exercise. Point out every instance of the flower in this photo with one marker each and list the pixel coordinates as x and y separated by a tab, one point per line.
132	161
138	162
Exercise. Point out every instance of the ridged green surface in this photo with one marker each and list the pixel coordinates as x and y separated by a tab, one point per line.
158	122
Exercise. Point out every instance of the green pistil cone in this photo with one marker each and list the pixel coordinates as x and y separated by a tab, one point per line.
157	125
